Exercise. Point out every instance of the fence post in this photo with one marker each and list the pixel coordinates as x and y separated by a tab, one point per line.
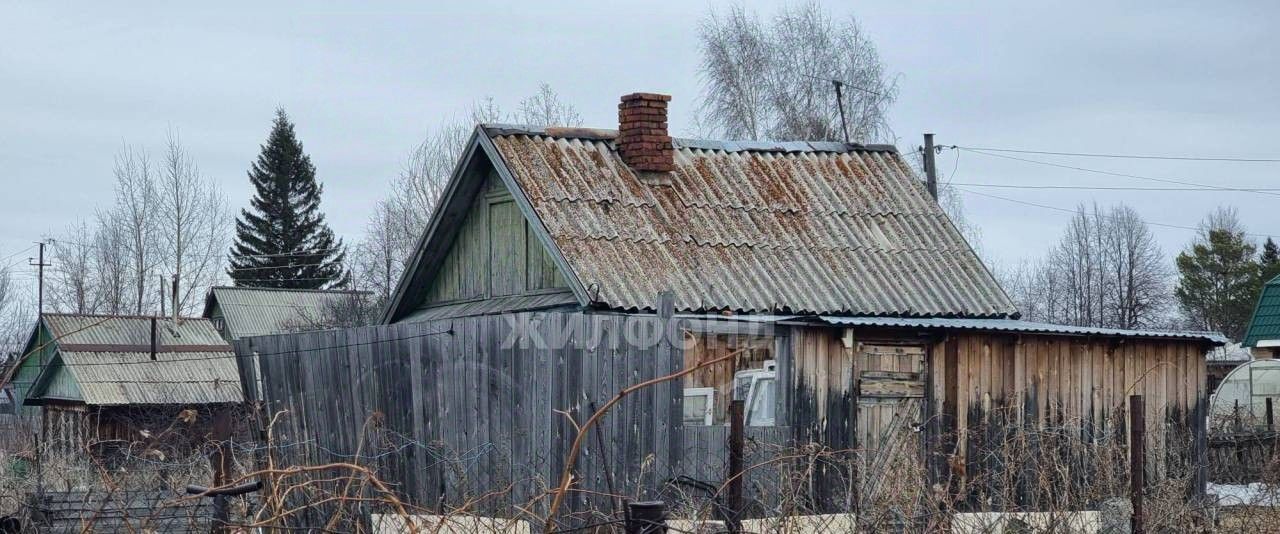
737	424
1271	417
221	460
1137	462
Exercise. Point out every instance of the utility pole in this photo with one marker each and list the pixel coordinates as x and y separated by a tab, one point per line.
44	421
162	297
39	265
930	166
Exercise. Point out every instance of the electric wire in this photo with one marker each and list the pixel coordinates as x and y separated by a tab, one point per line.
1123	156
1103	187
1076	211
1117	174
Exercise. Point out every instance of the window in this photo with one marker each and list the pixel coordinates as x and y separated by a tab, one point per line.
761	402
747	377
698	405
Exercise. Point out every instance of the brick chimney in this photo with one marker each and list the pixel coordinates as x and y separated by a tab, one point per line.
642	133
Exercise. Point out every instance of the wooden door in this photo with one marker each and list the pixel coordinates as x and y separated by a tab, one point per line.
890	386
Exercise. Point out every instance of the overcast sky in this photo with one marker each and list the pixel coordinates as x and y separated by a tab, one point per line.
364	86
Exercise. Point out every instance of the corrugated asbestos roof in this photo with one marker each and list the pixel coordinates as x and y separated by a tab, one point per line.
1014	325
251	311
821	228
193	364
1265	323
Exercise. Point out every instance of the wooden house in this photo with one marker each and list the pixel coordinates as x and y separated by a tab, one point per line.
854	303
103	379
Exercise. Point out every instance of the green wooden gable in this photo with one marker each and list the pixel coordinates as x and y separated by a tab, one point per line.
481	253
494	254
38	352
56	382
1265	324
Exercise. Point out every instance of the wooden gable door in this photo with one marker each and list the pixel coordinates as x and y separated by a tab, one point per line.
890	384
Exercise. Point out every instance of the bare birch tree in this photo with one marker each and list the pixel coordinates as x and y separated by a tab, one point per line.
545	108
111	264
70	284
192	224
17	315
135	213
1106	271
773	79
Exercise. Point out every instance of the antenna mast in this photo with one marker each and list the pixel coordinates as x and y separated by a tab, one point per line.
840	105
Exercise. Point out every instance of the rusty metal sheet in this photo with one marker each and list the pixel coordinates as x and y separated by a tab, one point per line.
813	228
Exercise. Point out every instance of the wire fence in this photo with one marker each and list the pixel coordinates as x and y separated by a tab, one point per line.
143	487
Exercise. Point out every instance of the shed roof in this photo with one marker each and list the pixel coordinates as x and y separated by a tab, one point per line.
808	228
109	359
258	311
1029	327
1265	324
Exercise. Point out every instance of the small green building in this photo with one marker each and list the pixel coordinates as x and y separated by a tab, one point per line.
1263	334
93	378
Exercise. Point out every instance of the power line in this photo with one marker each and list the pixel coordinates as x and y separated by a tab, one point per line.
288	266
23	251
1119	174
276	255
1124	156
1107	188
1073	212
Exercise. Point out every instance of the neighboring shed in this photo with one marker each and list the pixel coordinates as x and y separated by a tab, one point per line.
1222	360
239	312
104	377
1264	327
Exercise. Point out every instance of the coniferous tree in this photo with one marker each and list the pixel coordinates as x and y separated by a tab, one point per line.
1219	281
283	240
1270	260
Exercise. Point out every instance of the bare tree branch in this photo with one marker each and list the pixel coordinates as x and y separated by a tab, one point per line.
774	80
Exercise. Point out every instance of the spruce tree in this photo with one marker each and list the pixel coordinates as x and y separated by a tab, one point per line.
282	240
1270	260
1219	281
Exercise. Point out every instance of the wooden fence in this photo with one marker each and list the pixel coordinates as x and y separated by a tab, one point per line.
1242	458
451	410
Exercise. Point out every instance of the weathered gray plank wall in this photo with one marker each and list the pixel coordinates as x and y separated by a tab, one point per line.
453	409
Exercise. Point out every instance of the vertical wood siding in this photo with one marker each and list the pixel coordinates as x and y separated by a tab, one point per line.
992	381
495	253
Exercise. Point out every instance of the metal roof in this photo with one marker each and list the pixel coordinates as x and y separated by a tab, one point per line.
109	358
1014	325
88	329
817	228
256	311
493	306
1265	323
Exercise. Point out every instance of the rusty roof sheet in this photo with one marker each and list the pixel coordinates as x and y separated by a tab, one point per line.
819	228
109	358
